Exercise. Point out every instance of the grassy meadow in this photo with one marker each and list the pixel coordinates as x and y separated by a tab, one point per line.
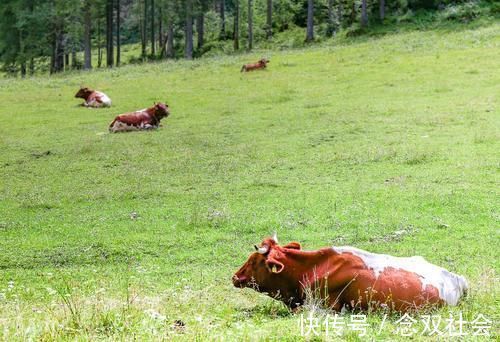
388	143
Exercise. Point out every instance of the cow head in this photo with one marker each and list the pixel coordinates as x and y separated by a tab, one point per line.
265	269
161	110
264	61
84	93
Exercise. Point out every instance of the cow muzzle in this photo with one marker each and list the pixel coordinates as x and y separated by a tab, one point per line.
239	281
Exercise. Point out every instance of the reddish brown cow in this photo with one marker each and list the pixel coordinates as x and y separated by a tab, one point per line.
348	277
262	64
148	118
93	98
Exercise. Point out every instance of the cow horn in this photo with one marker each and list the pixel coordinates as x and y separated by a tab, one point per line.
275	237
263	249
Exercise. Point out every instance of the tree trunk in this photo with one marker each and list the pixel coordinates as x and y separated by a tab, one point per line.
31	66
66	61
331	19
352	17
236	29
188	48
170	39
59	61
161	43
22	53
99	44
144	35
58	46
339	13
269	21
250	24
53	55
23	69
382	9
118	32
74	60
87	42
153	39
200	29
222	34
109	34
310	21
364	15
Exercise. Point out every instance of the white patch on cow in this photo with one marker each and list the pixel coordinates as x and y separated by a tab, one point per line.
106	101
148	126
451	286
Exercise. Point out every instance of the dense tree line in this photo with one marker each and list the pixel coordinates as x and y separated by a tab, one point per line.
65	34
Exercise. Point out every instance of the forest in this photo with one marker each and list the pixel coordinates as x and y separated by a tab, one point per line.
51	36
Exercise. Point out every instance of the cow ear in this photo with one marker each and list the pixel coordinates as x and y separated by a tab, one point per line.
293	245
274	265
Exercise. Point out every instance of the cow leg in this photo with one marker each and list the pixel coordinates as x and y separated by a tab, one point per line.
149	126
93	104
118	126
335	300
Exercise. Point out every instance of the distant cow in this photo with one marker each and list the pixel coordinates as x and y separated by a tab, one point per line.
93	98
262	64
348	277
148	118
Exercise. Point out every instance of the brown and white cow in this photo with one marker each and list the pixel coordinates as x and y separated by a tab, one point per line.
93	98
348	277
148	118
261	64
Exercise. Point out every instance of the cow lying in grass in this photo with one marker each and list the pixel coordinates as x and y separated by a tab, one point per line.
262	64
348	277
93	98
148	118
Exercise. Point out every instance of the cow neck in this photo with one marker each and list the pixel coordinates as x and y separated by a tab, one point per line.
150	111
152	114
304	261
88	94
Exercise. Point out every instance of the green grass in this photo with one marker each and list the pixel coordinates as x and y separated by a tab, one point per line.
337	144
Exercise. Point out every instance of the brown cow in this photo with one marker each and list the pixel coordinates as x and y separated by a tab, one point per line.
348	277
261	64
93	98
148	118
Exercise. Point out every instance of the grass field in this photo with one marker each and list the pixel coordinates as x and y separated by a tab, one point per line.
388	144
